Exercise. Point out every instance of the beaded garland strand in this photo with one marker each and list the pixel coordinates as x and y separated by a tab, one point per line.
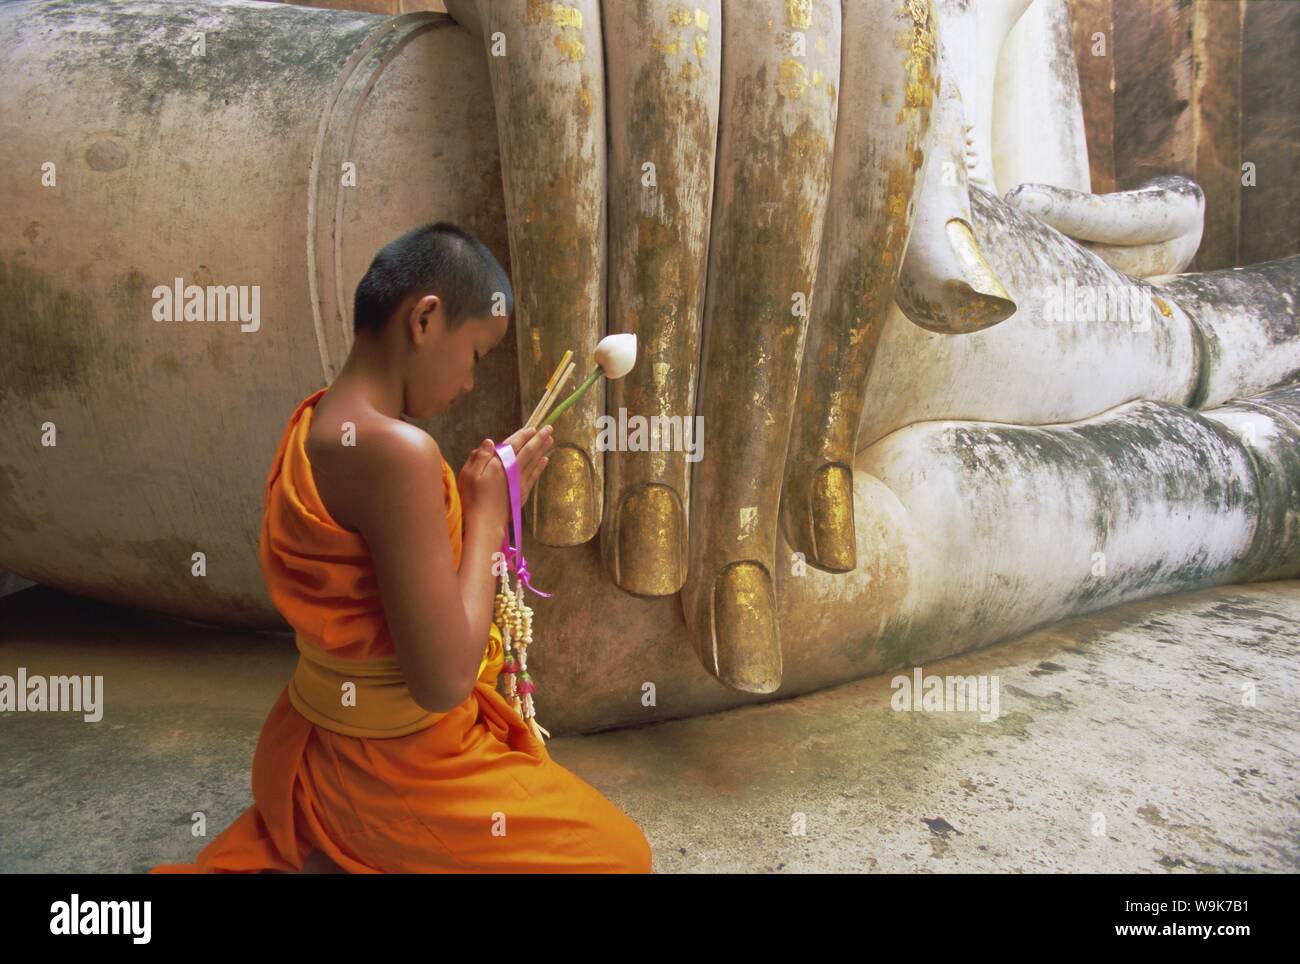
514	618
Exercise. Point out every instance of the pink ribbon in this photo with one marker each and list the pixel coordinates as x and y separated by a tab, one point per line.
515	554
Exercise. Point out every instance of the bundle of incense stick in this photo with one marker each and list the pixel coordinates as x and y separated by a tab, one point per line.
554	386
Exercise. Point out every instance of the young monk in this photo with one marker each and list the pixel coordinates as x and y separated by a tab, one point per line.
390	749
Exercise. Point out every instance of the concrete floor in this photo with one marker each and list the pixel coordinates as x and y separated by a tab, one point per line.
1134	716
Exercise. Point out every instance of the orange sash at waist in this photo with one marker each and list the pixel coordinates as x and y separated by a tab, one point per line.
381	704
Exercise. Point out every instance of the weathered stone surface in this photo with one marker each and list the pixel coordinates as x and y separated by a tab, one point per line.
1247	328
212	167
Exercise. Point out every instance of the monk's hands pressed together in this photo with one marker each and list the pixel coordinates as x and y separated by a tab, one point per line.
484	493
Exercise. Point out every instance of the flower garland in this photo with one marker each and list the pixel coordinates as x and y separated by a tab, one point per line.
514	618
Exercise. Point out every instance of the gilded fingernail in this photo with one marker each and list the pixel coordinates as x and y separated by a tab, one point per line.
649	549
565	507
834	541
747	651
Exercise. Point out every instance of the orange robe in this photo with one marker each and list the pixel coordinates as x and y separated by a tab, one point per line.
434	801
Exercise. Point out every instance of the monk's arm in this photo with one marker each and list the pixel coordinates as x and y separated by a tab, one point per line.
477	582
426	602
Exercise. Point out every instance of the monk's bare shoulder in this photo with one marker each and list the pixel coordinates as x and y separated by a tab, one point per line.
365	465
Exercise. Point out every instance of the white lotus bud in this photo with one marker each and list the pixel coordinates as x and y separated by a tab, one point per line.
616	354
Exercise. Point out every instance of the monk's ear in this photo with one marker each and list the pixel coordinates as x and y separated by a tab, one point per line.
424	313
